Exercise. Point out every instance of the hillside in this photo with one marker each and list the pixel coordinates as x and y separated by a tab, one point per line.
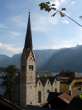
51	60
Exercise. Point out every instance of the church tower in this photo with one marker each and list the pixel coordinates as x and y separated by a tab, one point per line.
28	72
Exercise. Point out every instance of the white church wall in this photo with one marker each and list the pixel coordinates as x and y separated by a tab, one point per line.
47	89
39	88
56	86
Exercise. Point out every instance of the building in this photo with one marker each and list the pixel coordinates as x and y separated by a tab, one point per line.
34	89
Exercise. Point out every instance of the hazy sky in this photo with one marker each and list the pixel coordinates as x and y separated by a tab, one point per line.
47	32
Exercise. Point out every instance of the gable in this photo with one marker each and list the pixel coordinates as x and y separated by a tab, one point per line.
31	56
39	83
48	83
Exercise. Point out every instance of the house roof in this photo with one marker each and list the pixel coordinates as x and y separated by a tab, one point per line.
8	105
26	53
64	79
65	97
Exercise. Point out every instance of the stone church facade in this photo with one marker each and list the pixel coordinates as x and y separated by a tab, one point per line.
33	88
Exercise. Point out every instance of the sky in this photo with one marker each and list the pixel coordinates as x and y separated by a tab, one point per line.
47	32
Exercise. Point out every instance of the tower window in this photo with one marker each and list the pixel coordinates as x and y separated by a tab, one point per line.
39	96
48	91
31	67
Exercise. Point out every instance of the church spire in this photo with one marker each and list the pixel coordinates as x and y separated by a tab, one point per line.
28	39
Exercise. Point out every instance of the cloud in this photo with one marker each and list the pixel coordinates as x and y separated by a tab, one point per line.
79	35
73	2
57	2
9	48
64	21
65	44
40	23
58	45
3	26
43	23
5	29
16	19
13	33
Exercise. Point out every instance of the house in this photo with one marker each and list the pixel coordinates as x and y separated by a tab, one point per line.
75	104
58	101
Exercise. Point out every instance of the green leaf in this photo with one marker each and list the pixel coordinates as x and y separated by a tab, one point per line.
45	6
52	8
81	96
63	9
53	4
62	14
48	2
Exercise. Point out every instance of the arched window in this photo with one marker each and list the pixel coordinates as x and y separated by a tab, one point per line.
39	96
55	89
48	91
39	83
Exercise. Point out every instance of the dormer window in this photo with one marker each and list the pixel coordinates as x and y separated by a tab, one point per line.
31	67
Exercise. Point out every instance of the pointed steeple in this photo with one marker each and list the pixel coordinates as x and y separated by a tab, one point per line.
28	40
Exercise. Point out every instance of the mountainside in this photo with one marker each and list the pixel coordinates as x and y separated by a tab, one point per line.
51	60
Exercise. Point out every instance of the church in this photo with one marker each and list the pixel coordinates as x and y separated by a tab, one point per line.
33	88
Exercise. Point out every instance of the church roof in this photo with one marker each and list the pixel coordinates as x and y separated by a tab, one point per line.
26	53
28	40
44	79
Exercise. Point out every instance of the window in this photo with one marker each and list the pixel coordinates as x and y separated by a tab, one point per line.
69	92
48	82
39	96
48	91
39	83
31	103
79	88
31	67
55	89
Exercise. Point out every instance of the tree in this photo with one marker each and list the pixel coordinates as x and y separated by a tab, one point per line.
47	6
10	81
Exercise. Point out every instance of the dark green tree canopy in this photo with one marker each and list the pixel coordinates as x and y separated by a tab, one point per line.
10	81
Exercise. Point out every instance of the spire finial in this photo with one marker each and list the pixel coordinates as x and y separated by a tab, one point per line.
29	12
